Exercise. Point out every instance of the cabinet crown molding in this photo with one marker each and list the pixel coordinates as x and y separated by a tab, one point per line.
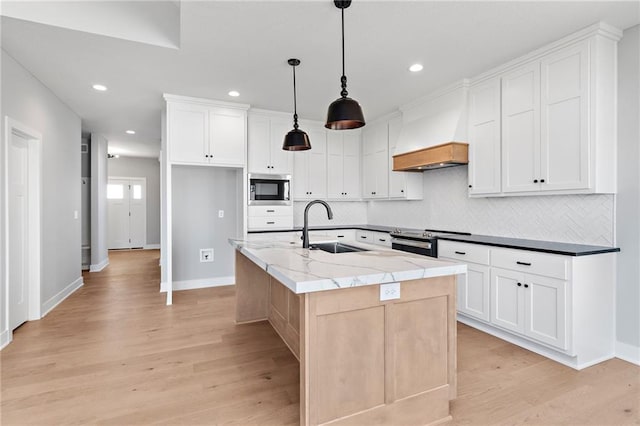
202	101
598	29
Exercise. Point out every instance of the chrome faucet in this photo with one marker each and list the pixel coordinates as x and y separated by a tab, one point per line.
305	229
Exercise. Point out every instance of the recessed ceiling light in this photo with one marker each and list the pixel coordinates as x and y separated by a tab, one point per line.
99	87
234	93
131	132
416	67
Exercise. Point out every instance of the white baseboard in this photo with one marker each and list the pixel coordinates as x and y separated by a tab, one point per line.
151	247
628	352
100	266
63	294
5	338
201	283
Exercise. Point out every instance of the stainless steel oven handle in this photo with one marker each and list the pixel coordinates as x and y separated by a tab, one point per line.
411	243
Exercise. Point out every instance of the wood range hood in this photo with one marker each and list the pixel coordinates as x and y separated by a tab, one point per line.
434	157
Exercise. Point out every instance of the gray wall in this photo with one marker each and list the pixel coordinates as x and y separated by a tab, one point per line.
198	194
148	168
628	197
27	100
99	174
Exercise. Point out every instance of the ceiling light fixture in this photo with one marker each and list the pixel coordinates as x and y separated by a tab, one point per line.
344	113
296	139
234	93
99	87
416	68
131	132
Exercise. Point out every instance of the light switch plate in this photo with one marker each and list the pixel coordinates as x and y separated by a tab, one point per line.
389	291
220	214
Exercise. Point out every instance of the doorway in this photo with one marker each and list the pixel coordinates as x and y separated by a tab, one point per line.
126	213
22	223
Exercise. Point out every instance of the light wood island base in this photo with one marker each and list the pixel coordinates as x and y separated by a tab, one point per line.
362	361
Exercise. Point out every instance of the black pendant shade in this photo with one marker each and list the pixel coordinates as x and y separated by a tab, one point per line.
344	113
296	139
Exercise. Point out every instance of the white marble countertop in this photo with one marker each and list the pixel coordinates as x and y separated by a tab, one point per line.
306	271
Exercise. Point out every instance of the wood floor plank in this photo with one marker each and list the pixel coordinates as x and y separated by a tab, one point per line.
113	353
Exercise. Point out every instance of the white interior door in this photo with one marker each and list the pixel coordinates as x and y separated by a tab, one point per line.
126	199
138	213
18	231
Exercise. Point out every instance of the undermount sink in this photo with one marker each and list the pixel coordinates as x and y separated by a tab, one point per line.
335	247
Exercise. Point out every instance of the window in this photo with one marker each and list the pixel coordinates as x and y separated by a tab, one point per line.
115	191
137	192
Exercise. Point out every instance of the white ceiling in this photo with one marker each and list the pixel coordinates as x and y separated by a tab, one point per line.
244	45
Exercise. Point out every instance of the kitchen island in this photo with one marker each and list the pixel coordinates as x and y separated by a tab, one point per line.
374	331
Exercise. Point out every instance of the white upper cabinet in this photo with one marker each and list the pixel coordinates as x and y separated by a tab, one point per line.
343	164
205	132
484	138
402	185
266	136
375	160
310	167
521	129
564	144
557	120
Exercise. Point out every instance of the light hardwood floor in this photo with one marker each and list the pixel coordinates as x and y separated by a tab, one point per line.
113	353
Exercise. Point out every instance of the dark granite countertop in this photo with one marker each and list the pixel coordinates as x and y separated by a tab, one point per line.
567	249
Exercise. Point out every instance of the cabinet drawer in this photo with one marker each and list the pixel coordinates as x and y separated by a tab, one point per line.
530	262
381	238
269	211
464	252
266	222
364	236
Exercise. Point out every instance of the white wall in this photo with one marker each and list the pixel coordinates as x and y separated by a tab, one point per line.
628	197
99	174
198	194
27	100
586	219
148	168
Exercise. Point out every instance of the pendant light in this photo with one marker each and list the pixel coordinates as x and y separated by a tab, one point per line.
344	113
296	139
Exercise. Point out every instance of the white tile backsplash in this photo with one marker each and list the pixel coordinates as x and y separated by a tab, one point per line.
584	219
344	213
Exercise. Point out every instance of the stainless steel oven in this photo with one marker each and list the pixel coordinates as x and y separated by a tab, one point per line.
424	242
271	190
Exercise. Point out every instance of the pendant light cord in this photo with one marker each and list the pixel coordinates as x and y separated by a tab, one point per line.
295	105
343	79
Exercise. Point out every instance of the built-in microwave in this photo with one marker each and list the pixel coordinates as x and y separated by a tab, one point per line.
271	190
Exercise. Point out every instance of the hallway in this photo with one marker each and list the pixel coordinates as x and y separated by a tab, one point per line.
114	353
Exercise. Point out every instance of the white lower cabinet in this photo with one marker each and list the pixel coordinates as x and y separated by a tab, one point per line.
531	305
473	288
559	306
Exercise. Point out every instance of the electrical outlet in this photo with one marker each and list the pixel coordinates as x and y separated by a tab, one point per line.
389	291
206	255
220	214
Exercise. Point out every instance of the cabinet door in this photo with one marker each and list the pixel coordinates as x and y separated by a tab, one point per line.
227	139
473	292
300	178
521	129
259	144
351	165
281	160
397	181
507	299
188	133
545	300
564	119
369	175
381	173
317	163
335	171
484	138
